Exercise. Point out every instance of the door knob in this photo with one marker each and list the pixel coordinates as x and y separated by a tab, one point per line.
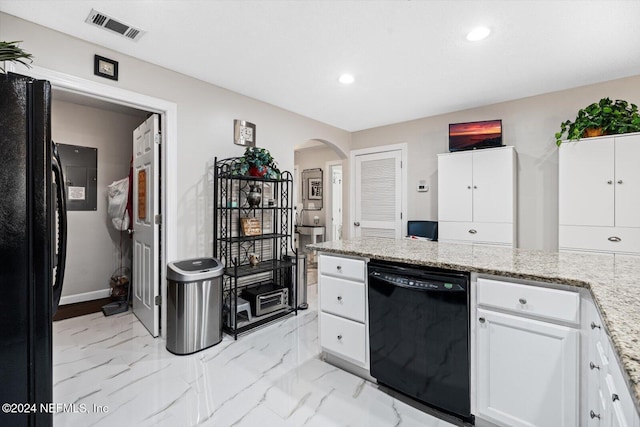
357	224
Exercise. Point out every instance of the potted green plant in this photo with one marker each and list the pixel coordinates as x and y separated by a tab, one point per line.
9	51
256	162
601	118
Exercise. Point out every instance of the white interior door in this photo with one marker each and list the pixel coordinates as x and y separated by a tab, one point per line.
378	194
146	219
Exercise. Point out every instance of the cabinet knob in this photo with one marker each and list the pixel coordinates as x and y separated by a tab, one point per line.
339	298
339	337
609	182
522	301
472	231
594	415
481	320
619	181
468	187
475	187
593	325
357	224
339	268
614	239
614	397
593	366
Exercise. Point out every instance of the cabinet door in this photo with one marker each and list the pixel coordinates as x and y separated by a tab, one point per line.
493	185
586	182
527	371
627	181
455	187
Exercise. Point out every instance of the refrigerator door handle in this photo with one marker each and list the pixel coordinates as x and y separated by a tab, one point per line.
61	209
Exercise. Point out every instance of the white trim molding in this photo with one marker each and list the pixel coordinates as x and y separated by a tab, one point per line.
85	296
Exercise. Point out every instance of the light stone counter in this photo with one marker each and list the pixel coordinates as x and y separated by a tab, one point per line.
613	282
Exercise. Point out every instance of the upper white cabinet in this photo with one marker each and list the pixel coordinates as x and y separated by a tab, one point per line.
599	194
476	196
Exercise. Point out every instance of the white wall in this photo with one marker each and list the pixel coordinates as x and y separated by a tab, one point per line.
205	119
528	124
93	245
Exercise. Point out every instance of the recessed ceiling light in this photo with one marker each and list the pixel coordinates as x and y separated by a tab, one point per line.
478	33
346	79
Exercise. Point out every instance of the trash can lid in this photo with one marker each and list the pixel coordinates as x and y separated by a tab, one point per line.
190	270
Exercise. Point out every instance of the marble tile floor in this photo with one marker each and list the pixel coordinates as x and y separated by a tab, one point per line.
270	377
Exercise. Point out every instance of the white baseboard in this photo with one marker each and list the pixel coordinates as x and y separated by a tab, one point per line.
86	296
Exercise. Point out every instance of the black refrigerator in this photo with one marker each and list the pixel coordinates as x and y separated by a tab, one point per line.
32	249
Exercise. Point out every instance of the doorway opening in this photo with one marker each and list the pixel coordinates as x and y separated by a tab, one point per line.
167	246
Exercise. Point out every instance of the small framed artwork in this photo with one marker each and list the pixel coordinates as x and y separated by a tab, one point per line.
105	67
315	188
251	226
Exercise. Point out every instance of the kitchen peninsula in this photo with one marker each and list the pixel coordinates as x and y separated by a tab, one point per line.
613	284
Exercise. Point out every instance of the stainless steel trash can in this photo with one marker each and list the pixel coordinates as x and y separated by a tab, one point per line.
194	305
299	271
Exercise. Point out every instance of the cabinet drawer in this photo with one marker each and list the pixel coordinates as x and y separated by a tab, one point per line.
476	232
346	268
342	297
543	302
600	238
343	337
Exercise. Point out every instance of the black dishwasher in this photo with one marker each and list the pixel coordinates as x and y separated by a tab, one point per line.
419	334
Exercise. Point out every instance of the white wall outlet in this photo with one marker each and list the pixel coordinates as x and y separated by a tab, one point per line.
422	186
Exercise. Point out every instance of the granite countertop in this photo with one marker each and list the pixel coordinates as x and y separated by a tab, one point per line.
613	282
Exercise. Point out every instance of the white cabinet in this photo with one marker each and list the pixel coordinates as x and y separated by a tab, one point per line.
476	196
526	369
342	297
599	194
608	401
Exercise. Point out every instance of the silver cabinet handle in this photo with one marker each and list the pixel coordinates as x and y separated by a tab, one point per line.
614	239
339	268
472	231
609	182
593	366
593	326
357	224
522	301
339	337
481	320
619	181
339	298
594	415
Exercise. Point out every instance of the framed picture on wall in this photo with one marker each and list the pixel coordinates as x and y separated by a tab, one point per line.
315	189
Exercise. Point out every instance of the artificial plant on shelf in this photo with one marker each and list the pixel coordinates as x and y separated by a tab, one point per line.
9	51
256	162
605	117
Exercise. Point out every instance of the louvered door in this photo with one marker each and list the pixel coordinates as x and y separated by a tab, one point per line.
378	195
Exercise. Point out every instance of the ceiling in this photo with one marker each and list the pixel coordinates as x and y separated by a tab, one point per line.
410	59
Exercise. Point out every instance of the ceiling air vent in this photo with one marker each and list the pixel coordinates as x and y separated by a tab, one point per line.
99	19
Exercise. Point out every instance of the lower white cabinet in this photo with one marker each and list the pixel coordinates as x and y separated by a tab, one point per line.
608	400
527	371
342	318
